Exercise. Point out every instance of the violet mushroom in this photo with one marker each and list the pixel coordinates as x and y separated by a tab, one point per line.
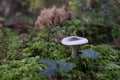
74	41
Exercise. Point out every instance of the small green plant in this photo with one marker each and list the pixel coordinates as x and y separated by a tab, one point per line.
92	54
56	66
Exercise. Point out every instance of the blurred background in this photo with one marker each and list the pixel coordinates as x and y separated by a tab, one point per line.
12	9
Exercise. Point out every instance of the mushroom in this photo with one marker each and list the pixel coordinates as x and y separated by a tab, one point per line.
74	41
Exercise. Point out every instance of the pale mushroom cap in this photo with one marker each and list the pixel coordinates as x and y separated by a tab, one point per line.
74	40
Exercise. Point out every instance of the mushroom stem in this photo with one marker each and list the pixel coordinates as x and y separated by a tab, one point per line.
74	51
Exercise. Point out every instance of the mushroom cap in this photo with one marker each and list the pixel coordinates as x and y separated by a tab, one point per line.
74	40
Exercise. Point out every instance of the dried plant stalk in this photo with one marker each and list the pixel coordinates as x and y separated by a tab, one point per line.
53	16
